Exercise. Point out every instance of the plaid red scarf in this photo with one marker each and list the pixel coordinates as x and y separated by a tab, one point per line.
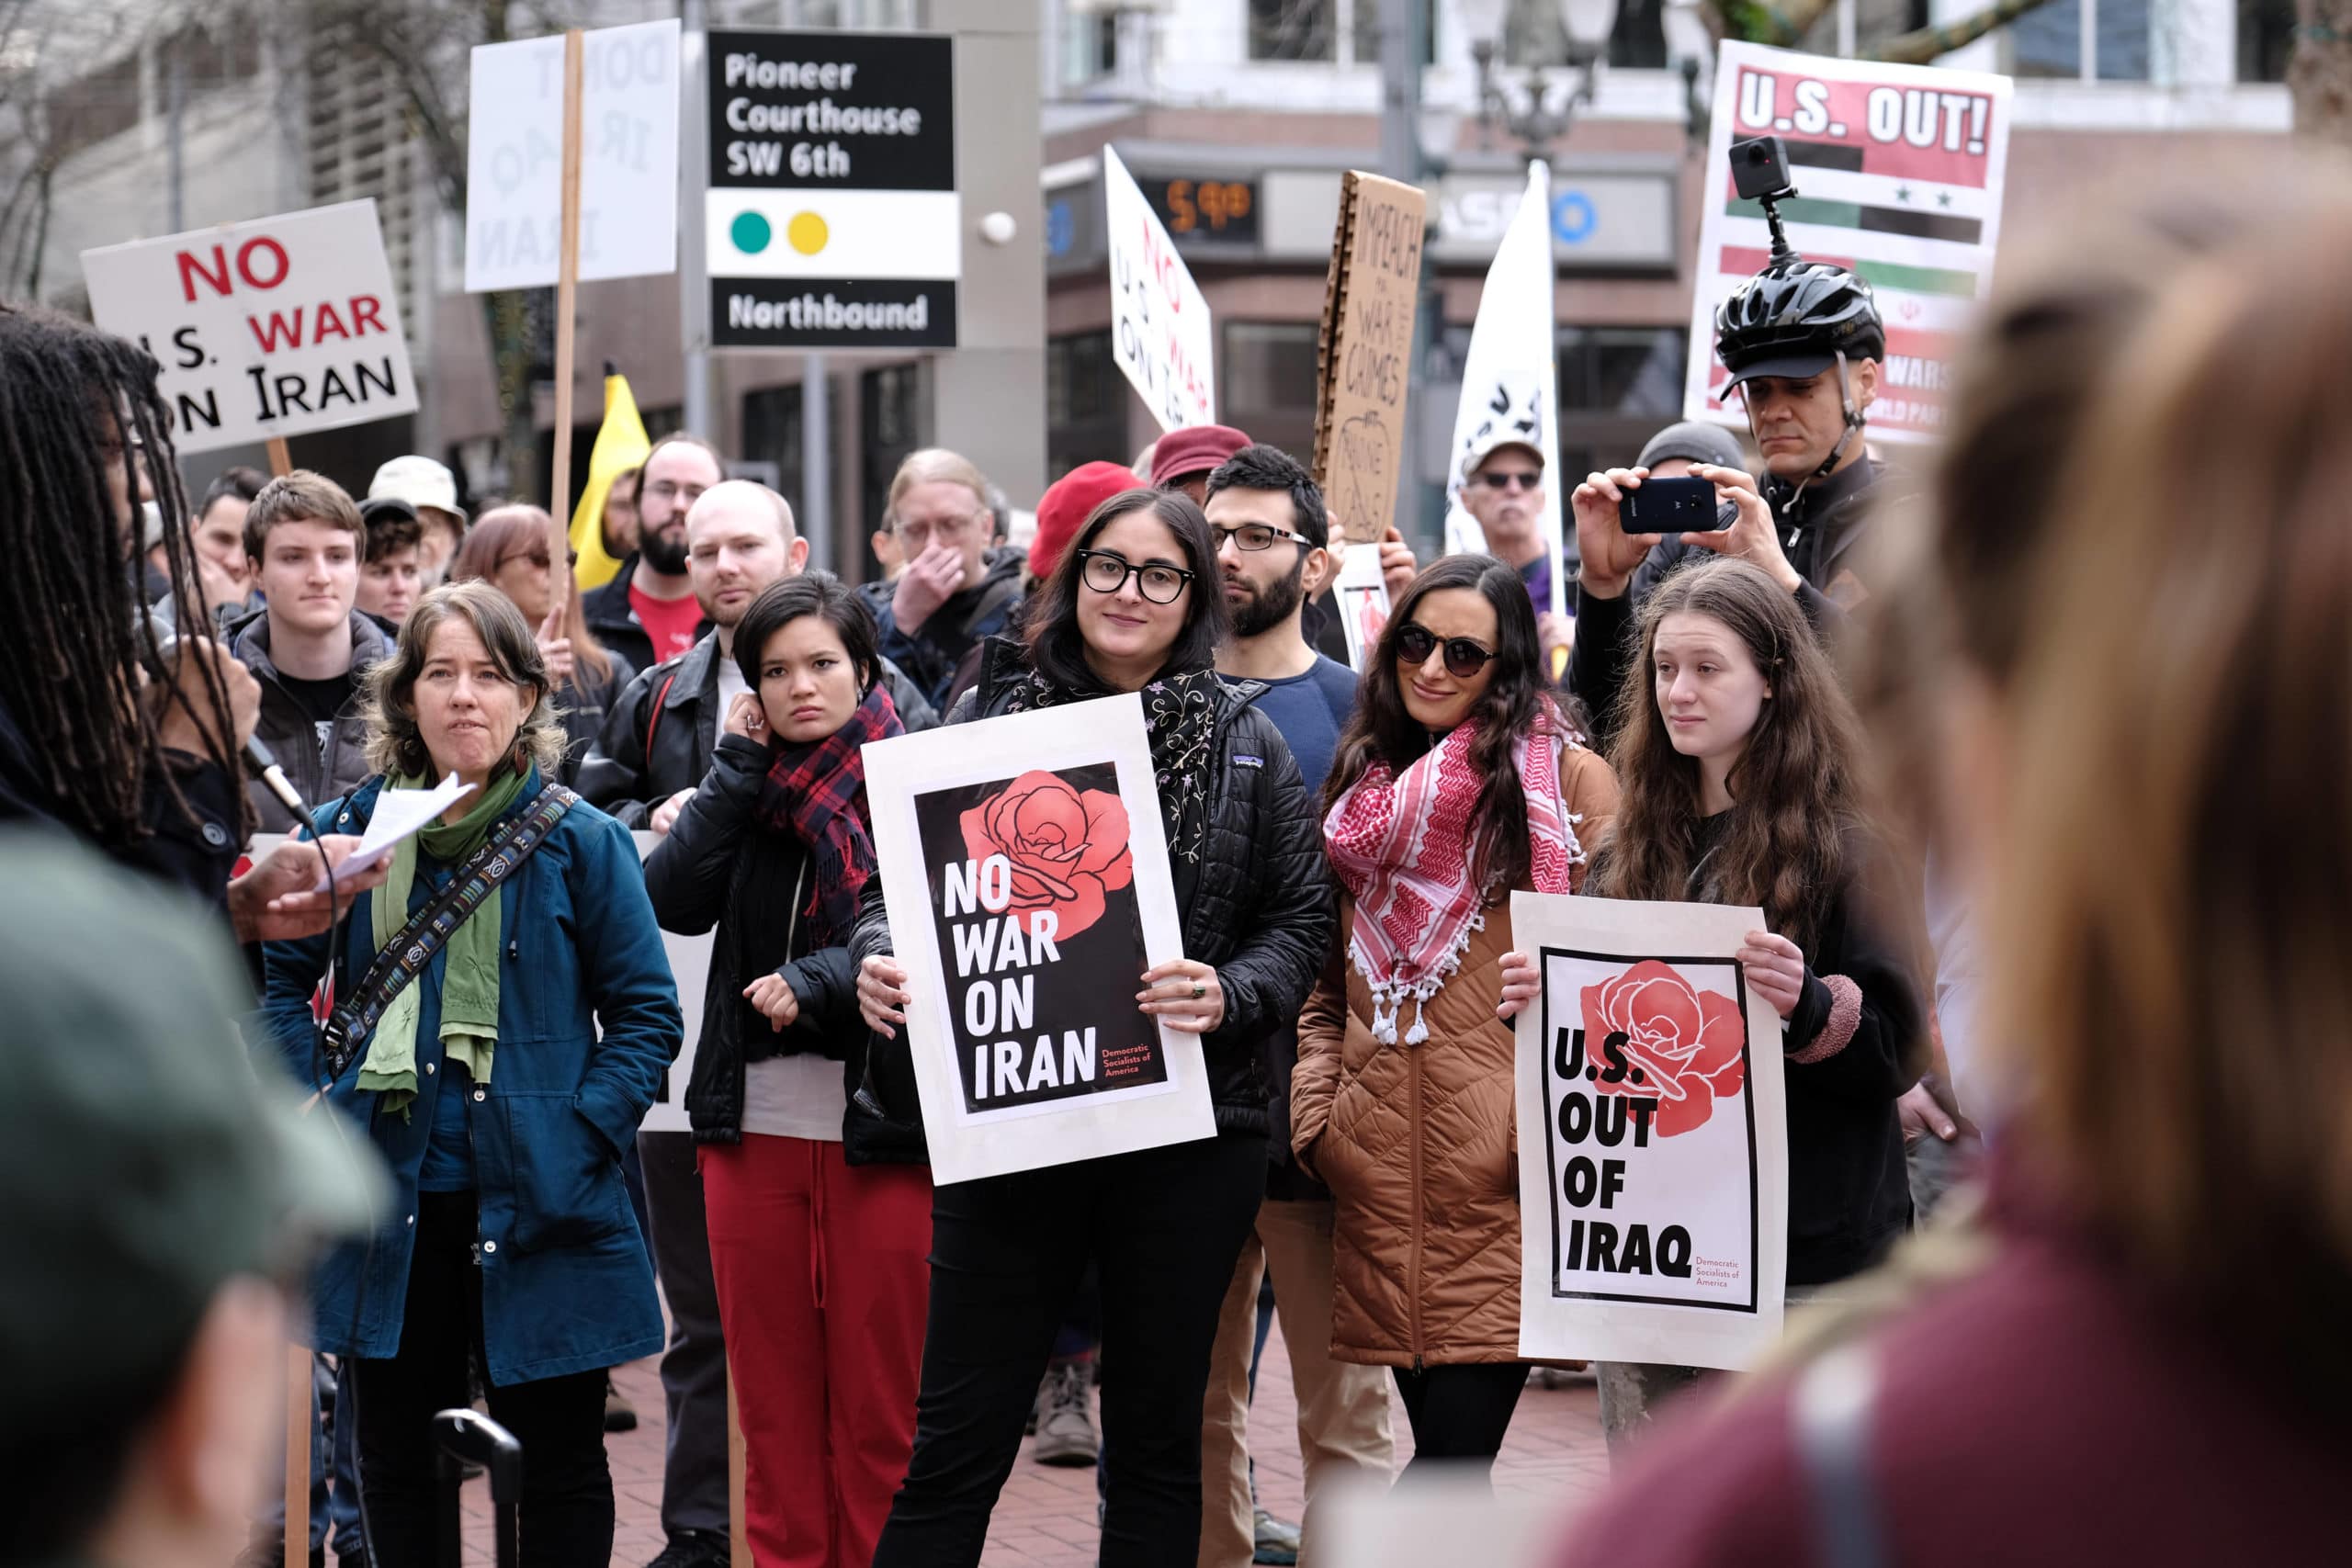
1402	845
817	792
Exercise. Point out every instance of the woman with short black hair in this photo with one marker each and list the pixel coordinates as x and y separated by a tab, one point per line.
819	1208
1136	604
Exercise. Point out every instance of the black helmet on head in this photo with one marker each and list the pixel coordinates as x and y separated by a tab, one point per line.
1795	319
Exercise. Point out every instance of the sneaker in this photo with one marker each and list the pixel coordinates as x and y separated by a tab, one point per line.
1065	1433
1277	1539
620	1415
694	1548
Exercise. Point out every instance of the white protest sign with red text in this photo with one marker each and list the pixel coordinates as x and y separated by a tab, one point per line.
266	329
1898	171
1159	322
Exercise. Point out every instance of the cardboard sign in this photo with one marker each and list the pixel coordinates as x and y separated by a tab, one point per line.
1898	171
1652	1135
628	158
1365	356
1027	877
1159	322
265	329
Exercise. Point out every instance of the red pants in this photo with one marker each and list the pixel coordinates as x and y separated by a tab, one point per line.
822	1287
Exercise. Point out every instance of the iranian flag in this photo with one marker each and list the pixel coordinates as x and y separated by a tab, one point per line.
1898	171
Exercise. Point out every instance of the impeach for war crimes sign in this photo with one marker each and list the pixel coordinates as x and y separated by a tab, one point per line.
1027	877
1367	350
1653	1136
270	328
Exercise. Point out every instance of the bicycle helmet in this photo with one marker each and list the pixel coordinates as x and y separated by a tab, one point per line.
1795	319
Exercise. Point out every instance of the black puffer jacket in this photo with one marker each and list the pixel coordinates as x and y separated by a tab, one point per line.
717	867
583	702
1258	905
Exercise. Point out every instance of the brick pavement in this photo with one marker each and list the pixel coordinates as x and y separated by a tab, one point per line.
1046	1517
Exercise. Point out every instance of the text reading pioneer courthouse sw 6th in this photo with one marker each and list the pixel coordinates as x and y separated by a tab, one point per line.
832	218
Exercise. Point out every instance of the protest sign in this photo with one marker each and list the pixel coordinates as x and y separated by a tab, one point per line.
690	967
1898	171
266	329
1652	1135
1367	350
1027	877
1159	322
1510	377
1362	593
628	158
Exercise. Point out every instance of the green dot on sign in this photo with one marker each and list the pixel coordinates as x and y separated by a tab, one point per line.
750	233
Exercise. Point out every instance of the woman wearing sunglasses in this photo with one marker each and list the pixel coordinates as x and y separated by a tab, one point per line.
1133	605
507	548
1457	781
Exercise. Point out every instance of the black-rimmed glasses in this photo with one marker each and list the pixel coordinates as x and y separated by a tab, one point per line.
1107	573
1256	536
1464	657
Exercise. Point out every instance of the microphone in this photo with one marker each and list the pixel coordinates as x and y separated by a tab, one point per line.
264	766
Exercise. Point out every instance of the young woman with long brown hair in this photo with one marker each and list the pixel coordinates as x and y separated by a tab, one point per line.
1738	755
1456	781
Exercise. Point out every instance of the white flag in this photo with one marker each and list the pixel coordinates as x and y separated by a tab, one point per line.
1511	379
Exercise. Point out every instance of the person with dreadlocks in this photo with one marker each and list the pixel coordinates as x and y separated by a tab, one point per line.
1802	341
144	766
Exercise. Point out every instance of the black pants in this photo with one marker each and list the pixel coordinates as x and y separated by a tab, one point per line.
1459	1412
567	1507
1165	1228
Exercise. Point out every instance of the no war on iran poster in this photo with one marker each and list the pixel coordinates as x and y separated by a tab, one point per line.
1026	875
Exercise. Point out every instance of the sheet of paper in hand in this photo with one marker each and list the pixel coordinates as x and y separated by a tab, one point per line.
1653	1136
1026	874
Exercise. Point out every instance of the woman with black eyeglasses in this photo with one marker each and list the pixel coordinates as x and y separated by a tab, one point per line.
1133	605
1457	781
507	548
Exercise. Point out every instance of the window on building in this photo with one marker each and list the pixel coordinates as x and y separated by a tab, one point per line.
1268	382
2048	41
1535	34
1089	47
772	434
1086	406
2266	39
1345	32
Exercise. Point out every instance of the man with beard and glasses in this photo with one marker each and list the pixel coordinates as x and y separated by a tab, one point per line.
1271	531
648	612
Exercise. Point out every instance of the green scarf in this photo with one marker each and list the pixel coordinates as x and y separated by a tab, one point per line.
469	973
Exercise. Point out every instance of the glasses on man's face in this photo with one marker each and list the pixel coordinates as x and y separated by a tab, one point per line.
670	489
1256	537
916	535
1107	573
1464	657
1510	479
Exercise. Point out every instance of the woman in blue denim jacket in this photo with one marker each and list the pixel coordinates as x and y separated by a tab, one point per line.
500	1088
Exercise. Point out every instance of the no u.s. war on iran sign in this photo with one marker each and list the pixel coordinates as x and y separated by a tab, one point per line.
266	329
831	218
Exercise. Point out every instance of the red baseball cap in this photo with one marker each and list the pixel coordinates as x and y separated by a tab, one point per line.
1195	449
1067	502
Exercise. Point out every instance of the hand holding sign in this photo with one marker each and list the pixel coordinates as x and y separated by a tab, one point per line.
882	995
1523	983
1184	994
555	647
1775	968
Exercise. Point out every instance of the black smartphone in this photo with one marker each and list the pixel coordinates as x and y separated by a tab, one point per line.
1674	506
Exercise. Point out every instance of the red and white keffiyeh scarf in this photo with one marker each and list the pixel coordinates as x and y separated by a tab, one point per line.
1402	847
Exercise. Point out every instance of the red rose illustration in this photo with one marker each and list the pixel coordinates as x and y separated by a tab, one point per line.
1068	847
1684	1043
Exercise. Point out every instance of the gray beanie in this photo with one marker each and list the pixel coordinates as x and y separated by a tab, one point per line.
1694	442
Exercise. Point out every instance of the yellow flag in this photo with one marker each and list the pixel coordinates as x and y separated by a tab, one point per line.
620	446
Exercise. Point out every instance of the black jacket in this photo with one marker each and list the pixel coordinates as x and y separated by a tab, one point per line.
583	706
1819	532
1258	905
660	732
717	867
971	616
607	610
318	773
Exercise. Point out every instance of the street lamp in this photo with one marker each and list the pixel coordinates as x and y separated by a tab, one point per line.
1536	123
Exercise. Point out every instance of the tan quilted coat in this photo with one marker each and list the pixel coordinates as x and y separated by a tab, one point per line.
1418	1144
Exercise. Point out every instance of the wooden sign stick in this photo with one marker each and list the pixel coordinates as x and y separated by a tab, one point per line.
567	289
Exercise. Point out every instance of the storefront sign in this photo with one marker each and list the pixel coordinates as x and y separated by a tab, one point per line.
1600	220
832	218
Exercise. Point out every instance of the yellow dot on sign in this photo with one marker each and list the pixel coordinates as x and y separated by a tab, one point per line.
808	234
